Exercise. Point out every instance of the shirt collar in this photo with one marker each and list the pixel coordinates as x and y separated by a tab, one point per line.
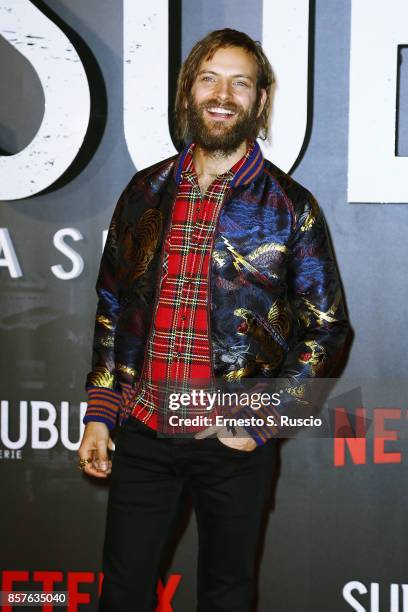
244	171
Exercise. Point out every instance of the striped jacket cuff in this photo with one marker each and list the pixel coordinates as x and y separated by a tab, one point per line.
103	406
261	432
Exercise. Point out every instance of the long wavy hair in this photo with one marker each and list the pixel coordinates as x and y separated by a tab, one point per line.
204	50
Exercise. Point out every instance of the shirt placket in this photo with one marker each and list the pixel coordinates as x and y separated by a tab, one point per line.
183	344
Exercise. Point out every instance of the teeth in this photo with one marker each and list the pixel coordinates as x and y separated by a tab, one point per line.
222	111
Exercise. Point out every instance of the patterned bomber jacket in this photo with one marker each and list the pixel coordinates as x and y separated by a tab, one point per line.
275	307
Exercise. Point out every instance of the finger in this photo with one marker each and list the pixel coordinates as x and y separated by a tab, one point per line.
101	460
85	454
207	432
247	445
102	466
111	444
102	450
89	469
240	433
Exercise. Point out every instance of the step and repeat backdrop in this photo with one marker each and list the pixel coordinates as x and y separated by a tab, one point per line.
85	93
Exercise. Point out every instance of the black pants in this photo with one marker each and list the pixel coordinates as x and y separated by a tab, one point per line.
229	488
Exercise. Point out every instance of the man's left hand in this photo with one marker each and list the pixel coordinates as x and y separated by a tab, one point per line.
241	441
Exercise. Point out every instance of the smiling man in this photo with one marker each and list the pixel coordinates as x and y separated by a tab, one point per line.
216	265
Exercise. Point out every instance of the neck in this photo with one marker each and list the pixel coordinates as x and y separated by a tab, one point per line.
216	162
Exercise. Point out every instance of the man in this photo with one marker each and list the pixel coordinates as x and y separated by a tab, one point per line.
217	264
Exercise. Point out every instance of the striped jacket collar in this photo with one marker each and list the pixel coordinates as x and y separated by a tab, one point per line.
249	171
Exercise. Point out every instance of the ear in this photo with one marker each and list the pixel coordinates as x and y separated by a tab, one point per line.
262	102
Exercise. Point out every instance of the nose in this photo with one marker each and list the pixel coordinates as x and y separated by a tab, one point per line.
223	90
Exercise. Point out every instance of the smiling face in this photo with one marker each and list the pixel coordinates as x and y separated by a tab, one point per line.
224	103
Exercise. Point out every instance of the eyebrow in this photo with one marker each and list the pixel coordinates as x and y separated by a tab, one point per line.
234	76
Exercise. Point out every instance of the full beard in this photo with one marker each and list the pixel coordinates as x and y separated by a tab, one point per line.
215	136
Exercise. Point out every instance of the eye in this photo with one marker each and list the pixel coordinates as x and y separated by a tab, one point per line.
241	83
207	78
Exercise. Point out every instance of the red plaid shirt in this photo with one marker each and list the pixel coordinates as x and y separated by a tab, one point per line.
178	347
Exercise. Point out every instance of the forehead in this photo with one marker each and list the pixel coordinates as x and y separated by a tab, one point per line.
231	61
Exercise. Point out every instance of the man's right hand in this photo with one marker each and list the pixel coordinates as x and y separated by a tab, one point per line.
94	446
